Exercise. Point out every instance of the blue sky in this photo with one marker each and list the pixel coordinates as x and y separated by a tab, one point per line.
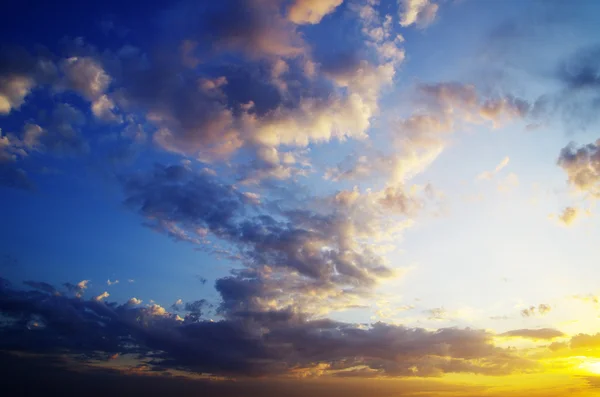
281	169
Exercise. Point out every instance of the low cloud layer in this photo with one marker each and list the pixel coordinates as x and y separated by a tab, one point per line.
271	342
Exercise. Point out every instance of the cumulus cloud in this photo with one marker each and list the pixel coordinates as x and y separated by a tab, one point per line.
20	73
102	296
134	301
13	91
582	165
568	215
77	289
417	12
311	11
86	76
535	334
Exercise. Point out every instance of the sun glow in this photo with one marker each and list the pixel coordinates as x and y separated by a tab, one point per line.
592	366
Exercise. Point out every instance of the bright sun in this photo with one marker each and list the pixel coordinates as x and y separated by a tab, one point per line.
591	366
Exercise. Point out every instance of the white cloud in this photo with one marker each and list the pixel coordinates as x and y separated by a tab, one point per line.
102	296
134	301
13	90
487	175
417	12
86	76
311	11
568	216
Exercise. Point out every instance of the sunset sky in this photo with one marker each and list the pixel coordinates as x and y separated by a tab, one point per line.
301	197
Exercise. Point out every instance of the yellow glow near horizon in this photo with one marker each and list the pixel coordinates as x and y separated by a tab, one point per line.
592	366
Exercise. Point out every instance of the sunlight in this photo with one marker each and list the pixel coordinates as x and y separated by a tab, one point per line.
592	366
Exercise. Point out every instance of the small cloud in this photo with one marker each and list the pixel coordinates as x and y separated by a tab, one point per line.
134	301
487	175
510	182
177	305
589	298
102	296
78	288
417	12
109	282
311	11
437	313
535	334
541	310
568	216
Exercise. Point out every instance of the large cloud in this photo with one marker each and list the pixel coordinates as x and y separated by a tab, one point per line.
276	342
320	246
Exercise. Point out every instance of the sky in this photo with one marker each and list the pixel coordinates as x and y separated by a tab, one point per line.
301	197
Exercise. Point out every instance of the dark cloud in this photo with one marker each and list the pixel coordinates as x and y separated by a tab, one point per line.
581	70
20	72
541	310
270	342
582	165
316	245
42	286
16	178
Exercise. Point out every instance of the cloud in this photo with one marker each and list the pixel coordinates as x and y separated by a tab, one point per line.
417	12
13	91
535	334
508	183
103	109
311	11
582	165
109	282
42	286
318	246
272	343
134	301
581	70
20	73
585	341
568	216
78	289
541	310
102	296
590	298
85	76
487	175
438	313
15	178
450	97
